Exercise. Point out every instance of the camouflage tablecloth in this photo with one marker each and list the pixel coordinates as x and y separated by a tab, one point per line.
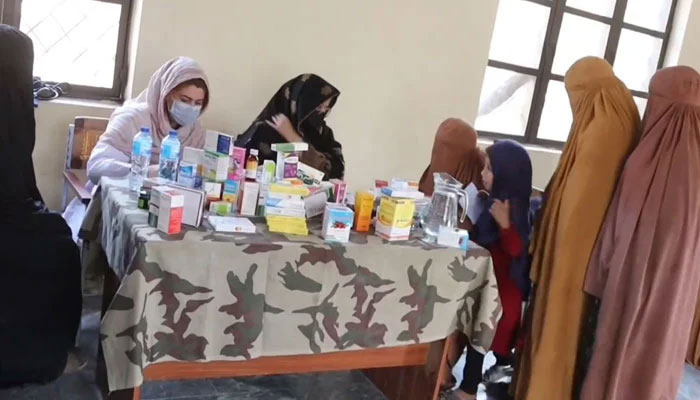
205	296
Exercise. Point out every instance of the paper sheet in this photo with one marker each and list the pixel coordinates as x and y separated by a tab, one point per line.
476	205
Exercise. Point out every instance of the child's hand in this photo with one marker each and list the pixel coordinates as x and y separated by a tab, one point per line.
501	213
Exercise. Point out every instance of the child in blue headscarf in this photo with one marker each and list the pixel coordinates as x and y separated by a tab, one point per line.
504	229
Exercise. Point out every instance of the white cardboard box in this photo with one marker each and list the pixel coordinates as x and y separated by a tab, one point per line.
249	199
194	205
170	203
392	233
217	142
215	166
193	155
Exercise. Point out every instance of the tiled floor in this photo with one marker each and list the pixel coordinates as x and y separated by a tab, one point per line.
327	386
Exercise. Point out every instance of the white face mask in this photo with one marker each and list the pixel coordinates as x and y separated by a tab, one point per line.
185	114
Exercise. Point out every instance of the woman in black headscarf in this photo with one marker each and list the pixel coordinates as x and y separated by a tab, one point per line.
40	296
297	113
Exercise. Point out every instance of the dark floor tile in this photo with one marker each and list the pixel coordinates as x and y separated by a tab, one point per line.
31	392
78	386
176	389
262	387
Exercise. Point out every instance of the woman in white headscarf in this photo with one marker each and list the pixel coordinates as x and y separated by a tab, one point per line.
176	96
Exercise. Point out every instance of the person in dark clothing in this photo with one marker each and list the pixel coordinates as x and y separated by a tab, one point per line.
504	229
40	294
296	113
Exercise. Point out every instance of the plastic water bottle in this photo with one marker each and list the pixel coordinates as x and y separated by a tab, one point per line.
140	159
169	157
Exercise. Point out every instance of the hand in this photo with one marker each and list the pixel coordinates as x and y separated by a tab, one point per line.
501	213
284	126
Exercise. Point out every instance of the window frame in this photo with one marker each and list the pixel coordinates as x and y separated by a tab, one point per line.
121	64
543	74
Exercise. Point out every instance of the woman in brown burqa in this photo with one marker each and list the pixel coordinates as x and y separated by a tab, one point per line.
605	128
455	152
645	265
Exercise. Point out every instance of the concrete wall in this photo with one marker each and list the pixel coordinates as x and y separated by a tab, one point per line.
402	67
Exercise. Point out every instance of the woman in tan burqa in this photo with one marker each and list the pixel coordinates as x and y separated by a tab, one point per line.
646	265
455	152
604	131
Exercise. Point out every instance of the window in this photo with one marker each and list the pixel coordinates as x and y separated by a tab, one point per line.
535	42
80	42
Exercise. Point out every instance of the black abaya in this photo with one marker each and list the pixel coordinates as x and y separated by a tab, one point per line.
40	296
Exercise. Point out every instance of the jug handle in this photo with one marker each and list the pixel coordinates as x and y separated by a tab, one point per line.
463	193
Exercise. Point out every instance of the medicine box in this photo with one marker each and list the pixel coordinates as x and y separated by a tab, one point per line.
453	237
392	233
194	205
337	222
339	190
237	168
217	142
364	205
187	174
249	198
222	208
396	212
213	190
215	166
232	190
170	209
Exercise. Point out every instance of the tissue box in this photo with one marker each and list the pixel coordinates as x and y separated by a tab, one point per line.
364	205
170	203
453	237
215	166
337	222
217	142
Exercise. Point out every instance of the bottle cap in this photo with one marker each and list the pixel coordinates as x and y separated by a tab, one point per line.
253	152
173	133
146	129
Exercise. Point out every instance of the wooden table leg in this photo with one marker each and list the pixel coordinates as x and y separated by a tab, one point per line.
420	382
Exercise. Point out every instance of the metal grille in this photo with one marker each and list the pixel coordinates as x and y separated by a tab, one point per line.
75	41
